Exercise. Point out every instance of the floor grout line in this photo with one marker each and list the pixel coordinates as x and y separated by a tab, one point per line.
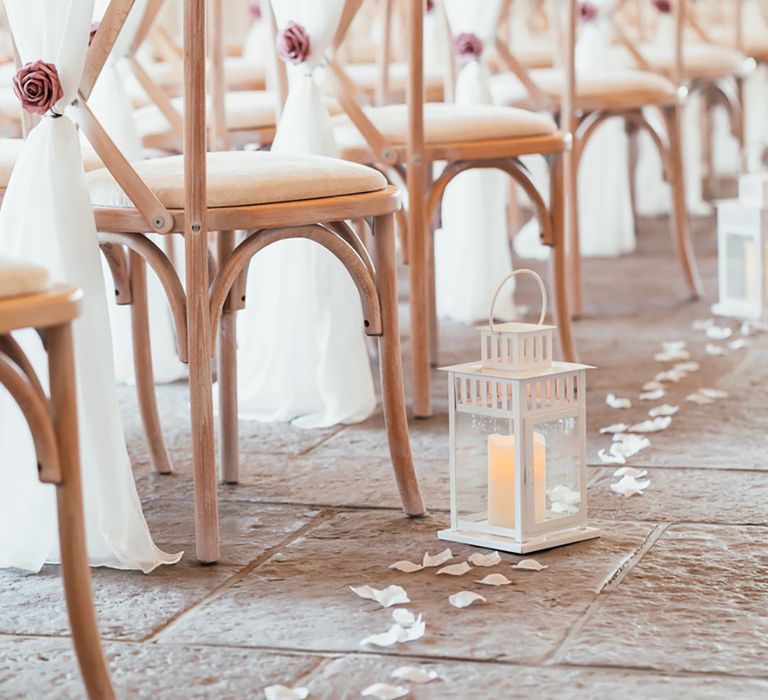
238	576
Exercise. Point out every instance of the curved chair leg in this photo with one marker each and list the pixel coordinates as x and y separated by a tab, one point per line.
559	266
229	434
633	137
142	360
390	360
74	556
571	241
680	215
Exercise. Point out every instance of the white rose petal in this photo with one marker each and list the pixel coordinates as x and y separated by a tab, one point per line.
464	599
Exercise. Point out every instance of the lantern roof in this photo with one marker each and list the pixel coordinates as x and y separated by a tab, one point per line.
477	368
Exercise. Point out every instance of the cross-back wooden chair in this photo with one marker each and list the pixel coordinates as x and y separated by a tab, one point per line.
270	198
405	140
28	301
619	92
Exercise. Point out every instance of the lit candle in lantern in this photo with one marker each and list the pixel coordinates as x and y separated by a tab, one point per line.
501	479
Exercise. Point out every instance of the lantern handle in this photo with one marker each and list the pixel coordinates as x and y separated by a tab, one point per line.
514	274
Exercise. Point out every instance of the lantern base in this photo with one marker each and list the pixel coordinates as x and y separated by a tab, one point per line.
738	310
507	544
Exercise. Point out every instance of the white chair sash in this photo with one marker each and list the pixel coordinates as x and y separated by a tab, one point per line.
472	250
302	351
46	217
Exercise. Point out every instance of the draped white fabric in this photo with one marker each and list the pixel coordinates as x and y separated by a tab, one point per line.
112	104
472	252
46	217
302	351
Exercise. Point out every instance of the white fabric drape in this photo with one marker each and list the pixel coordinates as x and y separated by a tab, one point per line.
302	351
472	252
112	104
46	217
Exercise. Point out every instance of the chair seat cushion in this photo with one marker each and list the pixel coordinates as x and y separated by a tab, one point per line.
618	83
243	178
19	278
244	73
367	76
698	59
448	123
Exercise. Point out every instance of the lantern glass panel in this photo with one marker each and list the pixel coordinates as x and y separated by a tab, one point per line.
555	453
742	268
485	471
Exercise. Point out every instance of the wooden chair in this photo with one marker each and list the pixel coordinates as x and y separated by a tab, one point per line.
269	197
404	141
28	301
623	93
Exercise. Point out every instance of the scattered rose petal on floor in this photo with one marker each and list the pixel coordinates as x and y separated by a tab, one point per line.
718	332
653	395
703	324
407	567
392	595
630	471
652	386
687	367
609	457
673	345
530	565
617	402
629	486
495	580
664	410
615	428
384	691
655	425
746	329
738	344
431	561
699	399
403	617
715	350
713	393
416	674
670	375
282	692
464	599
485	559
672	356
396	634
628	445
455	569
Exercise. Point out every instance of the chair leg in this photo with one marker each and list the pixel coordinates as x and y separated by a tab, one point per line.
559	267
572	240
707	145
227	377
144	372
682	235
201	397
633	137
390	360
434	330
75	569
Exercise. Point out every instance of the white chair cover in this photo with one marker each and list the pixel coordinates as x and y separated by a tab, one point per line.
112	104
47	218
472	253
302	351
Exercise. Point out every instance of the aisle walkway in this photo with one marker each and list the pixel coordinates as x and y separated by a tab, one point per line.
669	603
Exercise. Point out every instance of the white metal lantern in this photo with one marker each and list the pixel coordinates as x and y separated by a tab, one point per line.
518	443
742	260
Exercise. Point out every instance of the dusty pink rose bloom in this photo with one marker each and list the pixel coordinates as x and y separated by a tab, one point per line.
94	28
293	44
587	11
254	8
430	5
38	87
663	5
468	45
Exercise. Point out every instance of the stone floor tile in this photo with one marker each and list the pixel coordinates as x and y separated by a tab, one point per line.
300	598
46	669
686	495
695	602
345	677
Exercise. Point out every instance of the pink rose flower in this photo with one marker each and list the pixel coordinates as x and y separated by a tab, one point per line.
254	7
38	87
293	44
587	11
430	5
94	28
663	5
468	45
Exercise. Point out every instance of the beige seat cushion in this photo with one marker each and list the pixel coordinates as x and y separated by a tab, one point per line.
367	76
243	178
507	88
698	59
19	278
448	123
243	73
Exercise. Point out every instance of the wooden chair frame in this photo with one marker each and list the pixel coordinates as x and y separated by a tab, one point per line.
52	421
215	292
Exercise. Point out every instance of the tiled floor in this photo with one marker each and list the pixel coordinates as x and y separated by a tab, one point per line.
671	602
